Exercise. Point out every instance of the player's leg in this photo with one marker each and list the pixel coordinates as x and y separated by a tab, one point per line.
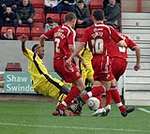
73	76
75	91
101	110
117	99
121	67
89	79
97	90
117	72
50	86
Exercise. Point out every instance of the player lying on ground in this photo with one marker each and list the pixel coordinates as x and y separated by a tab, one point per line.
42	81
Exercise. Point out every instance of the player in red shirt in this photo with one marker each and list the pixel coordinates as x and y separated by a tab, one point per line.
64	40
98	36
119	57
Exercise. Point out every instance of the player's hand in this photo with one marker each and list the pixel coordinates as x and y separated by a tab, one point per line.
68	64
68	61
23	38
136	67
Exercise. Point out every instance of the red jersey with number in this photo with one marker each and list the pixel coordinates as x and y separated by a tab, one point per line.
98	37
121	52
63	36
119	56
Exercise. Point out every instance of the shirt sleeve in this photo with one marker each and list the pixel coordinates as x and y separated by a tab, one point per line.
115	35
49	34
29	54
130	43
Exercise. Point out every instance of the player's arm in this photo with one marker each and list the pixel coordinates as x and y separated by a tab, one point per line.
27	53
75	52
134	47
23	39
79	48
138	57
81	59
117	38
48	35
42	39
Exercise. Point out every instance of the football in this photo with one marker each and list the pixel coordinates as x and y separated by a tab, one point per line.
93	103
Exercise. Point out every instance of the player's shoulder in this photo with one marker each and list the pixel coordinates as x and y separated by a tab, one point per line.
67	30
29	51
104	27
89	29
56	28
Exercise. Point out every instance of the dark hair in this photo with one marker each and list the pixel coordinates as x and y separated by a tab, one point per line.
34	47
49	20
98	15
80	1
69	17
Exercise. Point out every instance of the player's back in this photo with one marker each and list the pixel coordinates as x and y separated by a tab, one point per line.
116	51
63	37
35	66
100	35
121	52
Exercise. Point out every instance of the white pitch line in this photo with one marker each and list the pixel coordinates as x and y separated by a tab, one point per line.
144	110
76	128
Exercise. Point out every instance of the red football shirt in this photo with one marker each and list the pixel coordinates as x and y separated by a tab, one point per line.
63	36
98	36
121	52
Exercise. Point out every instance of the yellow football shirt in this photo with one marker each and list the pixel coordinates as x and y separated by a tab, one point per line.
86	72
38	70
87	56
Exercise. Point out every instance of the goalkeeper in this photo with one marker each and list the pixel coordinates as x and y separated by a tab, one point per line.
42	81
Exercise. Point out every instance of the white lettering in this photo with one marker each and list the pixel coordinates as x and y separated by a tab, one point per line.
12	78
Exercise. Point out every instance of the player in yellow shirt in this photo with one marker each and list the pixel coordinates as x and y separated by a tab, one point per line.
85	66
43	82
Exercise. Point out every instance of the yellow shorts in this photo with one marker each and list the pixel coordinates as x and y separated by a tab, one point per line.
46	88
87	73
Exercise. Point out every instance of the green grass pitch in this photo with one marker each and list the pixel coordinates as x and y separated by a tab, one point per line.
18	117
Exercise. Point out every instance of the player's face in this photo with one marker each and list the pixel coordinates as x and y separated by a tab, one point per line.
113	2
74	23
41	52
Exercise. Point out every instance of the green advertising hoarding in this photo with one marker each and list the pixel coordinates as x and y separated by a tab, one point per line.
17	82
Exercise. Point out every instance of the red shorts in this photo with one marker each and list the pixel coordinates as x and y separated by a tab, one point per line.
119	66
102	68
69	74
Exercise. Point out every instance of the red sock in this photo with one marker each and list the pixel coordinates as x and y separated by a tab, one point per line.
96	91
74	92
116	97
122	108
108	97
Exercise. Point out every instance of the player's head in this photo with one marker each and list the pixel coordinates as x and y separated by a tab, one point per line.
38	50
112	2
70	18
34	48
98	15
